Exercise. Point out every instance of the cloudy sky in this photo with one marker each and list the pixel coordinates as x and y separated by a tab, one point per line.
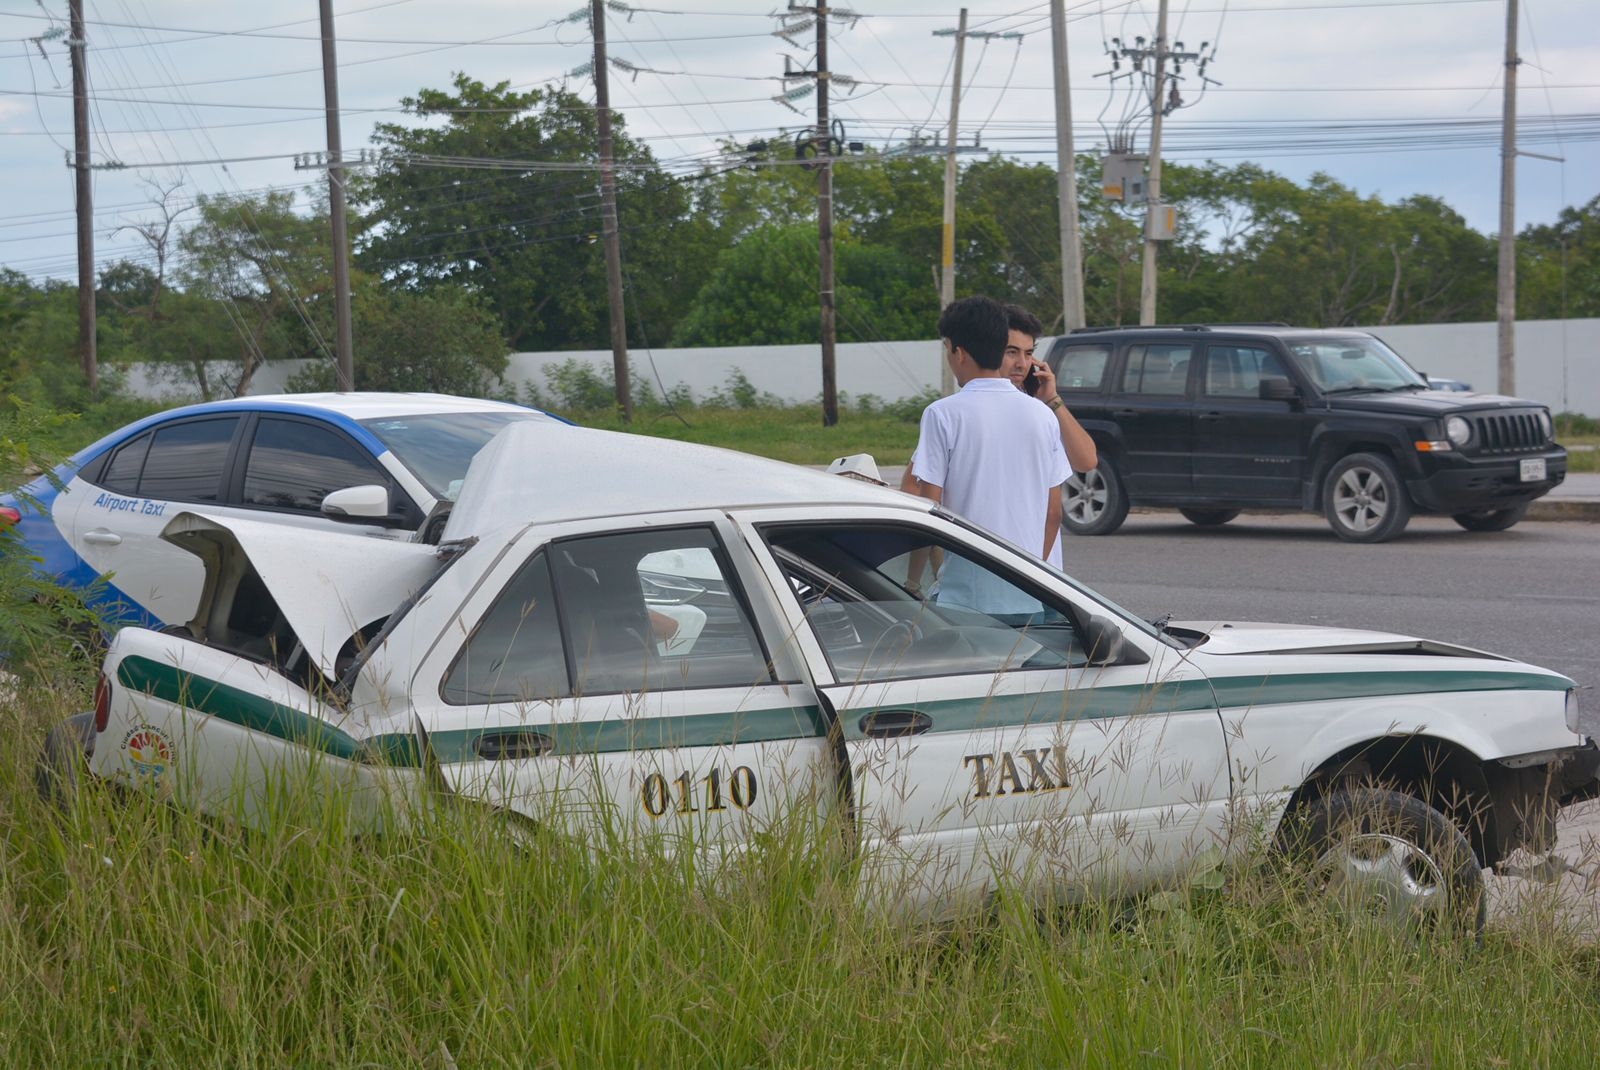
1392	97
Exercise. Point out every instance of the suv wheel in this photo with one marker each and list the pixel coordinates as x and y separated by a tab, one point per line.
1094	503
1209	518
1491	519
1363	499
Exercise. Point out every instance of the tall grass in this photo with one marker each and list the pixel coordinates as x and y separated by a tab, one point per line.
133	934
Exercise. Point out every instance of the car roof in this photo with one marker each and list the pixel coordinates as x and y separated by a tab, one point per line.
1191	330
532	471
347	409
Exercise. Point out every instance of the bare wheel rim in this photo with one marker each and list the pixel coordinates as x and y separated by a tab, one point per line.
1383	877
1361	499
1086	497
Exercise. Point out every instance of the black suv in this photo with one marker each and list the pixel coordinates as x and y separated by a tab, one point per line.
1218	419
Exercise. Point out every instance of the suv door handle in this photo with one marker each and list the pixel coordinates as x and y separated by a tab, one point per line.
891	724
1210	416
1124	412
102	537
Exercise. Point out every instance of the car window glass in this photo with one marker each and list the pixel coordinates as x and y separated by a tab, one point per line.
186	460
438	447
514	654
652	611
1161	370
294	464
1237	371
1082	367
122	471
890	602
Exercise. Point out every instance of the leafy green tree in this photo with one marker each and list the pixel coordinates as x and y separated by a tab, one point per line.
763	291
1558	265
452	205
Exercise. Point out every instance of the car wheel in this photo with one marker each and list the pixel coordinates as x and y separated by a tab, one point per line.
1492	519
1385	855
64	759
1209	518
1363	499
1094	503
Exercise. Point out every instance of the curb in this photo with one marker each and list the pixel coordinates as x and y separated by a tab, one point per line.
1565	509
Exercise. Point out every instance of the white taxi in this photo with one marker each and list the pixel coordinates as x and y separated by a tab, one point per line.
663	640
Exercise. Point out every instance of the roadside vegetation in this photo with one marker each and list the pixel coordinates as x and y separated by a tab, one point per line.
133	934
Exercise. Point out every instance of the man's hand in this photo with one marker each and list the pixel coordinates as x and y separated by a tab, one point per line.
1044	381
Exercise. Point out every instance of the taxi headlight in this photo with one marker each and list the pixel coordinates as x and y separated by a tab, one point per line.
1572	711
1457	430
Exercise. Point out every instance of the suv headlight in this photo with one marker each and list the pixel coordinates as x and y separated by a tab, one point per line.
1545	425
1457	430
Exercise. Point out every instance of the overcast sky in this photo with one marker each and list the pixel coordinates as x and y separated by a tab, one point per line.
1392	98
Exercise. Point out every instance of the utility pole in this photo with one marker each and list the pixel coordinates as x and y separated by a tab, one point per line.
344	335
608	216
1506	283
1072	311
830	384
1147	280
77	44
947	260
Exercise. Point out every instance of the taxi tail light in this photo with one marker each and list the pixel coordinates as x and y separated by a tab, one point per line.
9	516
102	703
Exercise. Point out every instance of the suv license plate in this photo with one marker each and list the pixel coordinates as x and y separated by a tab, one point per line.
1533	470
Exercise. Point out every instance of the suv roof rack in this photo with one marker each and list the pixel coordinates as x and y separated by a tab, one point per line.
1171	327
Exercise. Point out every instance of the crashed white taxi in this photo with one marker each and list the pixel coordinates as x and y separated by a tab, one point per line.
663	640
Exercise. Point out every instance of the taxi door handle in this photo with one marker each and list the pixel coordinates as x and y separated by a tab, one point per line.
891	724
102	537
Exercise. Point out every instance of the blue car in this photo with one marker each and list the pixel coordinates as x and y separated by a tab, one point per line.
360	462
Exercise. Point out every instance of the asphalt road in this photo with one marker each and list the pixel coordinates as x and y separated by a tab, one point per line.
1532	593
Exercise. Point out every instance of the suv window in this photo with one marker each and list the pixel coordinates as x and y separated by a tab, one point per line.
186	460
294	464
1160	369
1082	367
1237	371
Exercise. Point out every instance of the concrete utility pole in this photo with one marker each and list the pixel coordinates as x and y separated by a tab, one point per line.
1072	311
608	216
1506	285
947	256
830	384
344	343
87	358
1147	279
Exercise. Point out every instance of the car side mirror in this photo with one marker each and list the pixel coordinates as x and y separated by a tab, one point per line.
1106	646
366	504
1275	388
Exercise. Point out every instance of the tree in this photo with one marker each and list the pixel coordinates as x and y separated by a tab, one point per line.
1558	265
499	193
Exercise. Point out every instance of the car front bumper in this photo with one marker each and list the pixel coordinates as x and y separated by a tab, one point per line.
1459	484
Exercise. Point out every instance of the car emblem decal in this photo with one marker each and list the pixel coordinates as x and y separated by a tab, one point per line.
149	752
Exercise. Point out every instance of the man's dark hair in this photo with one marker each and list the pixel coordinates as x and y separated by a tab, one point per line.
978	325
1020	319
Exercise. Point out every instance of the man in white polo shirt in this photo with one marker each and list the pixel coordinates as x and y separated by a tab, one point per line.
989	452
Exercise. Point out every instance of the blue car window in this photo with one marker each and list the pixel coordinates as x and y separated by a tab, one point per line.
186	460
294	464
122	472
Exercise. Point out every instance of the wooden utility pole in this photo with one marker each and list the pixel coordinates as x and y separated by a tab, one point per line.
88	360
947	256
1506	284
1147	284
830	384
344	341
1072	311
608	217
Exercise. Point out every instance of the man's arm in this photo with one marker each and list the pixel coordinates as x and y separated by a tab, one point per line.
1052	521
923	556
908	480
1081	452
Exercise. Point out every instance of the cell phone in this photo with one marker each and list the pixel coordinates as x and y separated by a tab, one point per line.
1030	382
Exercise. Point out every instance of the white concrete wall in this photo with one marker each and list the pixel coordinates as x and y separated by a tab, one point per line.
1558	363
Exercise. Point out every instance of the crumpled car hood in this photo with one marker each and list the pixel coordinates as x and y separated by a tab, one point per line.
327	585
1247	637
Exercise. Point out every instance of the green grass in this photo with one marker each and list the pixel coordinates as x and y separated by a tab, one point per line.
784	433
134	935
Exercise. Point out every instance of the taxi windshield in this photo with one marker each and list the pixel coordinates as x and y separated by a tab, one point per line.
437	447
1354	364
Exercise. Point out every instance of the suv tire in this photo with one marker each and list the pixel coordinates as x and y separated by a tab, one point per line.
1492	519
1209	518
1364	500
1094	503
